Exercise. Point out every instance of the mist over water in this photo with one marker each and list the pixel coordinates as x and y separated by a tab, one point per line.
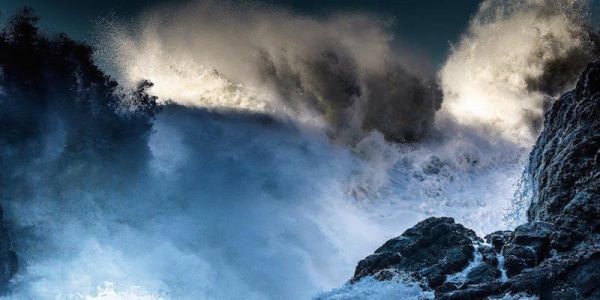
238	207
341	71
514	60
204	219
274	167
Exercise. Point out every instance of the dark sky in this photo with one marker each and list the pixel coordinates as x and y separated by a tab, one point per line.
427	26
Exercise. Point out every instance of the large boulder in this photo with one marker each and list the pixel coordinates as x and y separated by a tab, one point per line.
498	239
528	246
431	250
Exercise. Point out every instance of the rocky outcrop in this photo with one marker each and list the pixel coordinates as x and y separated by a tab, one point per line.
555	255
431	250
565	164
527	247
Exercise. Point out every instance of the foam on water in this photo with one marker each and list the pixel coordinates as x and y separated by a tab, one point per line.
371	288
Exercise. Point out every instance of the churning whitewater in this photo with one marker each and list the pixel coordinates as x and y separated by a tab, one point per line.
275	161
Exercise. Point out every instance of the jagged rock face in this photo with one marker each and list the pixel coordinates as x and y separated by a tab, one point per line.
565	164
571	275
556	255
527	247
432	249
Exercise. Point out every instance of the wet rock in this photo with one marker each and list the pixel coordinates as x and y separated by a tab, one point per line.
518	258
498	239
483	273
570	276
476	291
488	255
432	249
576	271
486	269
527	247
563	164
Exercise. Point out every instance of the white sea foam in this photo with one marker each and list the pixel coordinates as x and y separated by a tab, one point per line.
371	288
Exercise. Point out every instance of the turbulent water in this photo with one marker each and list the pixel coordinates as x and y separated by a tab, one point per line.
266	176
237	206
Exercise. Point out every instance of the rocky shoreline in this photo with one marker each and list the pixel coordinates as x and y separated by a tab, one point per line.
555	255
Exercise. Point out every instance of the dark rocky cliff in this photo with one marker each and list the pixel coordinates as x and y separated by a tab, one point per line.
556	255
